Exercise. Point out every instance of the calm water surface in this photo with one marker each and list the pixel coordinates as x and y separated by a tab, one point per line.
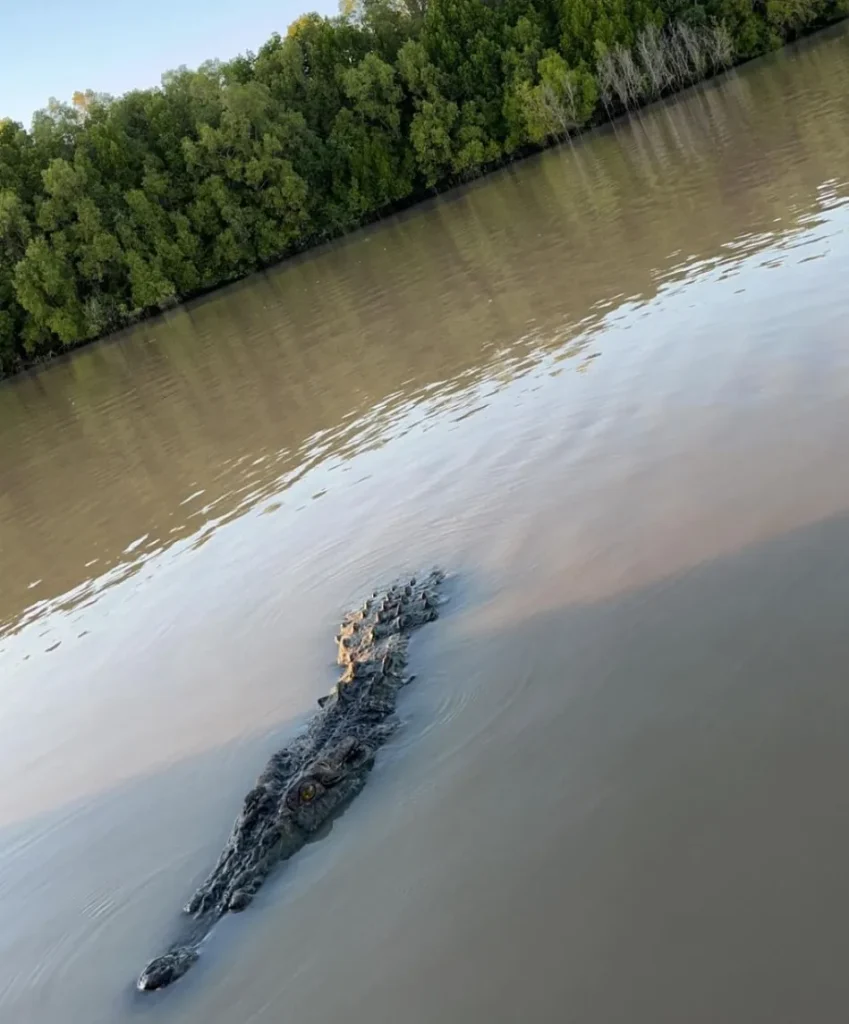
608	389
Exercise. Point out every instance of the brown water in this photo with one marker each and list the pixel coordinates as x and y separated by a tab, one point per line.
608	389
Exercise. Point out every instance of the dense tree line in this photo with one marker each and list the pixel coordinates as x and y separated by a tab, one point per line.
111	208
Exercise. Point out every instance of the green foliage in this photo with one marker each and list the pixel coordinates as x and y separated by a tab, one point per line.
431	136
112	208
556	101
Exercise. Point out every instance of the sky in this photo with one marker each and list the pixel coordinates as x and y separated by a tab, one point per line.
53	47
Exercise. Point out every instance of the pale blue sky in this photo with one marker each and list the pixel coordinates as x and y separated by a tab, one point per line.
53	47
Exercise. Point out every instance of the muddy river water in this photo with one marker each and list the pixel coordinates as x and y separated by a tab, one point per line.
608	390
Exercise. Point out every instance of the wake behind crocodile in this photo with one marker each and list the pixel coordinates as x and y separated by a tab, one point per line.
307	782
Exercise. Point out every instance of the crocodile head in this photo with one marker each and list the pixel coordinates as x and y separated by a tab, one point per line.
329	781
167	968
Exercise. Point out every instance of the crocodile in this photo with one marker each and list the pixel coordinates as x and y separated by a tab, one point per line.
307	782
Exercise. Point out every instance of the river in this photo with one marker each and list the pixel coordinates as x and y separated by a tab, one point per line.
608	390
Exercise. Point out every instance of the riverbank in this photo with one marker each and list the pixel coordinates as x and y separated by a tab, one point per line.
114	210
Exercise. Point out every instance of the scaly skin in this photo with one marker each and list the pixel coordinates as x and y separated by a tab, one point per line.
305	784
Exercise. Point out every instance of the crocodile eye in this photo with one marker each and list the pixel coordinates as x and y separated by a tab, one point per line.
307	792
